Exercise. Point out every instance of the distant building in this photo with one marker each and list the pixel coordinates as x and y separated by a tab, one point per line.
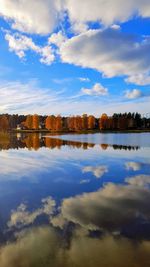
21	127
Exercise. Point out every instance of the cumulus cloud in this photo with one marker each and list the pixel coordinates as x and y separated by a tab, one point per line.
79	27
106	12
21	217
133	94
47	14
110	208
97	90
97	171
40	245
139	180
139	79
57	38
109	51
32	248
20	44
38	16
131	165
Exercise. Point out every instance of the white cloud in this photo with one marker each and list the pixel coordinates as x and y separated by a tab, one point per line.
33	247
107	12
41	17
29	164
111	207
131	165
26	98
97	171
79	27
22	217
57	38
98	90
116	27
47	56
20	44
139	79
139	180
133	94
39	245
38	16
109	51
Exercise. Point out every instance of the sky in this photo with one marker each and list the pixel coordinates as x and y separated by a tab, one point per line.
73	57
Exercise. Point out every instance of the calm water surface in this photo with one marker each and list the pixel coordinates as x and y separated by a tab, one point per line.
75	200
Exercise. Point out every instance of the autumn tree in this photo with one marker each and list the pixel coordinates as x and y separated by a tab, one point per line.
104	146
4	124
78	123
71	123
58	123
91	122
29	121
50	123
103	122
47	142
35	141
84	122
35	122
29	142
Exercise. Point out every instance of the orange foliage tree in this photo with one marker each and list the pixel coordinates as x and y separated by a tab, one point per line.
36	141
71	123
4	123
78	123
35	122
50	123
103	122
84	121
91	122
29	121
58	123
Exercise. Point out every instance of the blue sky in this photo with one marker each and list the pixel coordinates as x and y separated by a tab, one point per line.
74	57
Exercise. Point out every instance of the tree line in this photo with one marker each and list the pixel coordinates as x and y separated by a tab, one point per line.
119	121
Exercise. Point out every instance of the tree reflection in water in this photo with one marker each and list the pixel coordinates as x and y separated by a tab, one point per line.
35	141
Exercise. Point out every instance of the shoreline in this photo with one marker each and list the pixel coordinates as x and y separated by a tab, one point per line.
80	132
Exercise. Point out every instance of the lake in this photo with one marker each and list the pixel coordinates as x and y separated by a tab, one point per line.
75	200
